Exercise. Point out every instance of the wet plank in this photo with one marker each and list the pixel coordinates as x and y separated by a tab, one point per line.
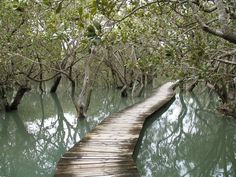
107	150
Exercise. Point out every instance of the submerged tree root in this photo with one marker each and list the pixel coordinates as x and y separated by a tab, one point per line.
228	109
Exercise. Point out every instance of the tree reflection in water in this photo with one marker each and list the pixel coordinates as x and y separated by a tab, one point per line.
190	139
33	138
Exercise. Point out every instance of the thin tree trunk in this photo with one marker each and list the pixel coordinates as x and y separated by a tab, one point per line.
17	99
41	75
88	99
57	80
73	97
83	94
140	91
124	91
43	112
55	84
231	90
3	101
192	86
135	83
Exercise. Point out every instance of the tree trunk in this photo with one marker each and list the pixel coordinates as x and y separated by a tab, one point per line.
231	90
88	98
40	75
192	86
55	84
57	80
137	92
124	92
140	91
73	97
3	100
135	83
18	97
83	94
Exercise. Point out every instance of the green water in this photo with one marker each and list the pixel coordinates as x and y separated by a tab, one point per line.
33	138
190	139
187	138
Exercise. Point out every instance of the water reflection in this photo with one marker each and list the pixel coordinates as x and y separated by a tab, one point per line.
190	139
33	139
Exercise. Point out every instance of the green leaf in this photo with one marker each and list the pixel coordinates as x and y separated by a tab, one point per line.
90	28
47	2
80	10
59	7
81	25
19	7
91	33
93	7
94	3
93	11
97	26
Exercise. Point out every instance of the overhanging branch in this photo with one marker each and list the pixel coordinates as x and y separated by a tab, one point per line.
230	36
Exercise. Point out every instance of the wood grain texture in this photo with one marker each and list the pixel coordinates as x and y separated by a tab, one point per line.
107	150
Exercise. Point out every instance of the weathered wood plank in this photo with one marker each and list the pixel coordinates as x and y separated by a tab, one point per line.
91	162
107	150
95	154
118	174
96	171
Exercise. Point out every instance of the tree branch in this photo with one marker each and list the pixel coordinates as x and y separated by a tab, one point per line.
226	61
230	36
137	9
32	61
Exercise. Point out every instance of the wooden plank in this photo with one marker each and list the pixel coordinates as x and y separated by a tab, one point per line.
118	174
95	154
107	150
91	161
98	171
102	143
110	150
96	165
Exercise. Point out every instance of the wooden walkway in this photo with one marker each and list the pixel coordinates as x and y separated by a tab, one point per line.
107	150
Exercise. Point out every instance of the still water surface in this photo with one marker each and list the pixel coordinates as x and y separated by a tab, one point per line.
190	139
33	138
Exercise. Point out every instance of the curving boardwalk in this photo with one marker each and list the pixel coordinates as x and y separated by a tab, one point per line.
107	150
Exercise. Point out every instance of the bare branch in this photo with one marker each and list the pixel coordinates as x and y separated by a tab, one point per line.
227	54
226	61
32	61
40	80
204	8
137	9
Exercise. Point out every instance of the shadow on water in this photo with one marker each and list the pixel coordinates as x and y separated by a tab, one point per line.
33	138
188	139
15	142
32	148
148	122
